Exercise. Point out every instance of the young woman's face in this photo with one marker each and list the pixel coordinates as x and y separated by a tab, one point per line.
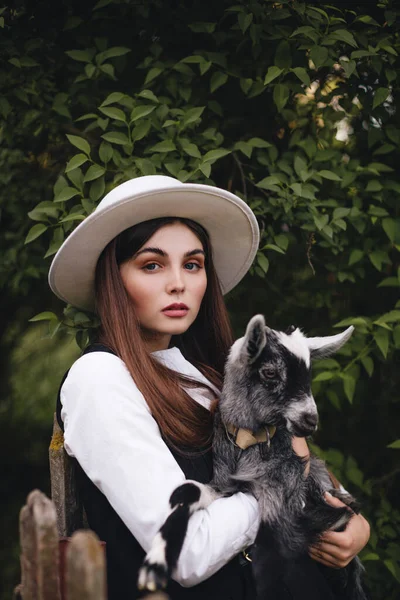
166	280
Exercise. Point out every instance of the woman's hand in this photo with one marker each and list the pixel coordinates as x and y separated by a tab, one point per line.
337	549
301	448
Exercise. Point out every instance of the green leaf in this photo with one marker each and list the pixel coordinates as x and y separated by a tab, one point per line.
270	183
152	74
319	55
190	149
66	194
216	154
44	316
377	257
141	130
79	143
141	111
244	147
205	168
217	80
35	232
257	142
324	376
115	97
149	95
245	21
389	282
374	186
105	152
380	96
165	146
302	74
93	172
321	221
263	262
307	31
368	364
272	73
349	385
81	55
329	175
113	113
76	161
389	227
356	321
116	137
355	256
96	192
381	337
395	445
73	217
192	115
203	27
344	36
280	95
115	51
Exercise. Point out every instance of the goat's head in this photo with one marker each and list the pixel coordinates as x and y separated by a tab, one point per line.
268	378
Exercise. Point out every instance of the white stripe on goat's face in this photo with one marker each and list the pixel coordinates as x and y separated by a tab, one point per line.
296	343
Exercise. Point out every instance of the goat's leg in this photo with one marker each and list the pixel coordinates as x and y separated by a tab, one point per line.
166	547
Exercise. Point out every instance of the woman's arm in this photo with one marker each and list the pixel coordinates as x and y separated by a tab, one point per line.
337	549
111	432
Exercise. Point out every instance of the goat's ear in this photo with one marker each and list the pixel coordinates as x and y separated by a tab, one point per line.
255	338
320	347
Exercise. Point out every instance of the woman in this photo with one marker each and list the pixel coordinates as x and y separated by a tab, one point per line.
153	261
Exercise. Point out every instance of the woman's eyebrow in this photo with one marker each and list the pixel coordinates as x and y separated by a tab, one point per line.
151	250
164	254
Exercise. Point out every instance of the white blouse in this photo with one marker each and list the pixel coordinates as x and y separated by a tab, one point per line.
110	431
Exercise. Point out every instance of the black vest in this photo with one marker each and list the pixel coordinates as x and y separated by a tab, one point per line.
124	554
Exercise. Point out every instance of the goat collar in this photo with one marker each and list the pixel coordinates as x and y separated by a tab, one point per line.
244	438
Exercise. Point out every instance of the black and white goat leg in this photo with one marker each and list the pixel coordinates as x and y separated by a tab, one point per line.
162	558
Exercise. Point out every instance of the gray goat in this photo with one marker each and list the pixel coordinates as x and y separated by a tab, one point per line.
266	398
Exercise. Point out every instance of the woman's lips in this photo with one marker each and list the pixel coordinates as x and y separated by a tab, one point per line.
176	310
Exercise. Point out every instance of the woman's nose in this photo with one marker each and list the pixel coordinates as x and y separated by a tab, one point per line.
176	283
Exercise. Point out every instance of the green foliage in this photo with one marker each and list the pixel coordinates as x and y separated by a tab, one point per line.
291	105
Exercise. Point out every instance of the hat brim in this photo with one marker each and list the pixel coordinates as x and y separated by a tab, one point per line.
230	223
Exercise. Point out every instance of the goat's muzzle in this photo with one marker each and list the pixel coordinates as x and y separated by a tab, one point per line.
305	424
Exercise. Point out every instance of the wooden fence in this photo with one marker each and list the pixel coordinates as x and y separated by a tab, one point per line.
54	568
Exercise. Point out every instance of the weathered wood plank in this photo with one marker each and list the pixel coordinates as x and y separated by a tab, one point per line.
85	567
64	492
39	549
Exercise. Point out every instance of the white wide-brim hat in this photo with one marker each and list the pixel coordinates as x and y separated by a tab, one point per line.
229	221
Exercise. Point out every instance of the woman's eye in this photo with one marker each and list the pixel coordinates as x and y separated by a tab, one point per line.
151	267
191	266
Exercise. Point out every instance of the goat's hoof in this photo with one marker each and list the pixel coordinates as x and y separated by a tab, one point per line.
152	577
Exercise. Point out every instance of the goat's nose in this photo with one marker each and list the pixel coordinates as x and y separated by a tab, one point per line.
311	420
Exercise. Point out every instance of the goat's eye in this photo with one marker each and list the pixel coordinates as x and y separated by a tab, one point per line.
268	372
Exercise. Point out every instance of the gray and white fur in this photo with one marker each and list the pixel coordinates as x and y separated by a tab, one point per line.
267	381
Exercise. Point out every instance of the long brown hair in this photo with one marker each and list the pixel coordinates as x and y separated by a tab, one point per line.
183	422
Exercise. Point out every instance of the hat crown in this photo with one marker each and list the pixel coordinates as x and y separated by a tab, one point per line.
137	186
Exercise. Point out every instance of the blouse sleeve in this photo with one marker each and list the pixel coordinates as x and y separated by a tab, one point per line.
110	431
